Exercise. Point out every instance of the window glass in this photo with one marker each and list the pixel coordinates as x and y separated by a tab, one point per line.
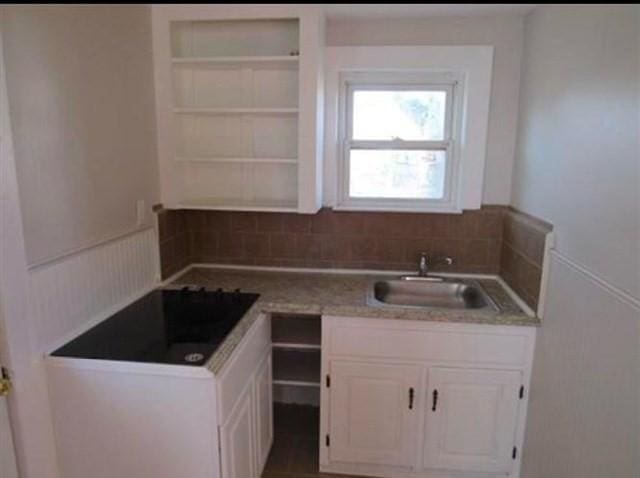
401	114
396	173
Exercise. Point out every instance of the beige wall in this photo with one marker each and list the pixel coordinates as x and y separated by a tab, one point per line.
80	87
577	166
505	33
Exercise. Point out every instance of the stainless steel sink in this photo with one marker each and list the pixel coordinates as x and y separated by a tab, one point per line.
431	293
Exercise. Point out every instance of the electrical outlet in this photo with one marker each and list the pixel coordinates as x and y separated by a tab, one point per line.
141	212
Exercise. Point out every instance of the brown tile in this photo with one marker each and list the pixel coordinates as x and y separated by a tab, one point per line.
309	246
270	222
196	219
283	246
389	250
439	225
218	220
230	246
243	222
464	225
335	248
161	217
363	248
348	223
322	222
204	241
490	225
297	223
476	252
256	245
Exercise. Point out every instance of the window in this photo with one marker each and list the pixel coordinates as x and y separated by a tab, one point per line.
398	135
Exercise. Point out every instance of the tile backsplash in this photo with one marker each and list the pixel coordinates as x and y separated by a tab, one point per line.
523	243
330	239
492	240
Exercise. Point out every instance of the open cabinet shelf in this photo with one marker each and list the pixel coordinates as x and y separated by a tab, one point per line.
237	160
236	111
229	62
296	367
238	100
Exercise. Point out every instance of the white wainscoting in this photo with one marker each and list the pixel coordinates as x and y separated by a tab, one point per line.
584	405
72	294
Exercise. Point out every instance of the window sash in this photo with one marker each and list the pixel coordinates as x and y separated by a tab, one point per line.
446	88
391	202
386	81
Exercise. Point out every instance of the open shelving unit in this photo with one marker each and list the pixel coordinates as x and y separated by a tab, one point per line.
296	358
238	102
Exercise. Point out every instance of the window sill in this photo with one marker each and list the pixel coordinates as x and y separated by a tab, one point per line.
444	209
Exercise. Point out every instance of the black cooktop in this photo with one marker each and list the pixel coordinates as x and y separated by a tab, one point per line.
182	326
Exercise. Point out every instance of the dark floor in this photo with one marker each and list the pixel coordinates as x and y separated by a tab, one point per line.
295	444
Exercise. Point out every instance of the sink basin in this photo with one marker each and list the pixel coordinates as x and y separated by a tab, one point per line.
448	294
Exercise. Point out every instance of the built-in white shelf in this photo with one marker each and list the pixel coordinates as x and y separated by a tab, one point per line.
238	108
237	160
256	62
232	204
296	367
236	111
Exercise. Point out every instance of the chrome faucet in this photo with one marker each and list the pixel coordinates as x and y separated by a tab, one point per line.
423	268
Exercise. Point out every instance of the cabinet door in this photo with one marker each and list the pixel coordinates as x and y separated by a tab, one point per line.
471	419
264	411
373	413
237	437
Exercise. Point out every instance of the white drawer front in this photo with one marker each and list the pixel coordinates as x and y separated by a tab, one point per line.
242	365
395	342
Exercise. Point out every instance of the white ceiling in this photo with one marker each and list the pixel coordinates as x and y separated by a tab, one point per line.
376	10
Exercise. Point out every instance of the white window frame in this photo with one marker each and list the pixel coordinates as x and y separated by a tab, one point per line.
471	64
397	81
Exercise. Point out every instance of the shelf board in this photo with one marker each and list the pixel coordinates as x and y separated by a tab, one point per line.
236	111
256	62
185	159
295	346
301	366
296	383
264	205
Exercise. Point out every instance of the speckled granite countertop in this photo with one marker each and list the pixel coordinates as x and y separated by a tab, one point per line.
335	294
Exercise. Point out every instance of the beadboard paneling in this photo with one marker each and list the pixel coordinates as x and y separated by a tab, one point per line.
77	290
584	405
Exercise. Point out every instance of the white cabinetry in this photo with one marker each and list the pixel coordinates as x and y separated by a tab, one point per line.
424	400
124	419
264	412
472	417
373	412
239	106
238	439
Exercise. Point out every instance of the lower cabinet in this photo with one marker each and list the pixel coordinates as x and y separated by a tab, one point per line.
263	392
419	405
374	414
247	434
471	419
238	439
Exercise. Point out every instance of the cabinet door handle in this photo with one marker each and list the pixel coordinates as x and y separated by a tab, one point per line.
411	393
435	401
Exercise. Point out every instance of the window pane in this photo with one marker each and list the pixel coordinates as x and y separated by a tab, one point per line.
408	115
402	174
